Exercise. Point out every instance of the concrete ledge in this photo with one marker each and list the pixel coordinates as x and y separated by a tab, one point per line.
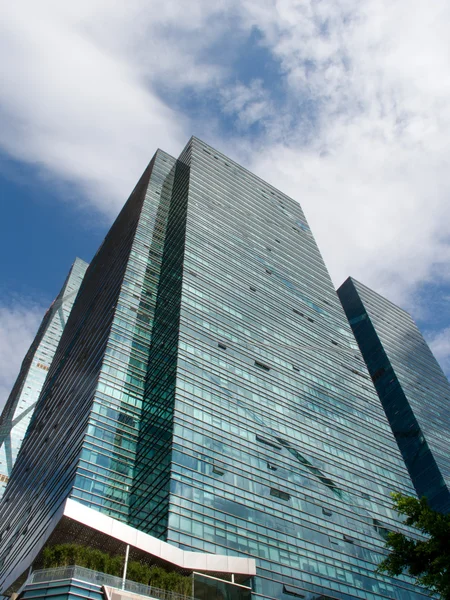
192	561
75	522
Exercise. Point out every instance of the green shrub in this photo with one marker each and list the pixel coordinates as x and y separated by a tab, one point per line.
64	555
139	572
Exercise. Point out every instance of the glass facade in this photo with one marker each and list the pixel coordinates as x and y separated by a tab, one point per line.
104	474
211	588
21	403
414	391
208	390
81	442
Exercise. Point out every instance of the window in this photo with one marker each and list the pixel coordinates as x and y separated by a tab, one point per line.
280	494
348	539
271	467
267	442
221	346
217	471
379	528
327	512
333	540
297	312
290	591
310	320
376	376
261	366
296	369
253	289
335	343
365	496
355	372
268	272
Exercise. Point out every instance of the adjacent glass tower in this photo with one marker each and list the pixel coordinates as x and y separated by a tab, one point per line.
208	390
21	403
414	391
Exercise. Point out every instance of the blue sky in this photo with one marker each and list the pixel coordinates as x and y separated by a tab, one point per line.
341	104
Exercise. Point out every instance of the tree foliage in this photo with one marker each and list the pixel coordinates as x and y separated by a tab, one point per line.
427	560
64	555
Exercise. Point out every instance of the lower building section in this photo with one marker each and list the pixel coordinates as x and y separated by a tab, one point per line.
65	583
74	582
76	523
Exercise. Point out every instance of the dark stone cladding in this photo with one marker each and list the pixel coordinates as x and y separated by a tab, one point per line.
47	462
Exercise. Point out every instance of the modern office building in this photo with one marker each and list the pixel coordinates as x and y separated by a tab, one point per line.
414	391
208	404
21	403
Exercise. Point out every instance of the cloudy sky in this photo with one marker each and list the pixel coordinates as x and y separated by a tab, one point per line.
342	104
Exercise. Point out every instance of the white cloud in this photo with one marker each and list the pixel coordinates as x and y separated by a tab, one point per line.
358	130
439	343
19	321
372	171
77	96
248	103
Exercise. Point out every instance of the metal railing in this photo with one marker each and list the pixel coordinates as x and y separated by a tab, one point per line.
100	579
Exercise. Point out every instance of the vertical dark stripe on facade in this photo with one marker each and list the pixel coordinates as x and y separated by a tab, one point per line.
151	487
422	467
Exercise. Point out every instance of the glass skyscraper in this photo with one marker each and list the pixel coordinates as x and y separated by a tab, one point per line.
414	391
21	403
208	391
